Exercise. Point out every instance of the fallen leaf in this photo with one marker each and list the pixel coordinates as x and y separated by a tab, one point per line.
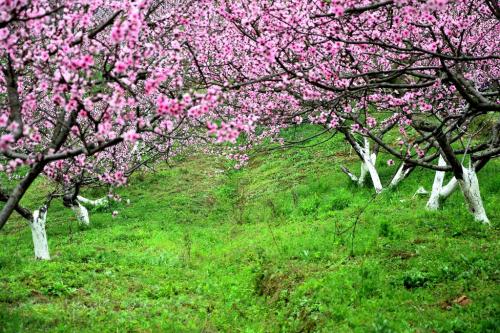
462	300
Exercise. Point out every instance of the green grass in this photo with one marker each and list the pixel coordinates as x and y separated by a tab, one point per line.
269	248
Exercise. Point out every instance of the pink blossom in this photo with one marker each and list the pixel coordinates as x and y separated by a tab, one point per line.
131	136
4	120
13	126
75	131
355	127
121	66
371	122
5	141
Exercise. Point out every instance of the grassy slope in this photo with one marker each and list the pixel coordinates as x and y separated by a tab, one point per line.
269	248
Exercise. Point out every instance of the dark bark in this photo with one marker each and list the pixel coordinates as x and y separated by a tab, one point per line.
449	155
18	192
13	99
24	212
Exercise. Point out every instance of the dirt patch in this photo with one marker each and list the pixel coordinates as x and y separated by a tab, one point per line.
39	297
460	301
403	255
272	282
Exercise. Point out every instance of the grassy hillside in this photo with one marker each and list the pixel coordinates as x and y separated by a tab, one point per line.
286	244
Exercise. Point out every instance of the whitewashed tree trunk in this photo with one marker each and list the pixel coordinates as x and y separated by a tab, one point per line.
136	150
39	234
98	202
363	173
437	187
399	176
449	188
349	173
377	184
368	165
82	214
470	189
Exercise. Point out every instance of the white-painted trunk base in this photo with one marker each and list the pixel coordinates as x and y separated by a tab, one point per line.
39	234
362	174
449	188
470	189
368	166
98	202
400	175
82	214
136	150
437	186
377	184
349	173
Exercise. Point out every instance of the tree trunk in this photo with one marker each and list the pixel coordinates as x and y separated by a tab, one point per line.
362	175
368	166
470	189
98	202
82	214
377	184
368	162
437	187
448	189
17	194
401	174
39	234
349	173
467	179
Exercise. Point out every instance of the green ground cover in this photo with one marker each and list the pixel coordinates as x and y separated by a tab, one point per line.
286	244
